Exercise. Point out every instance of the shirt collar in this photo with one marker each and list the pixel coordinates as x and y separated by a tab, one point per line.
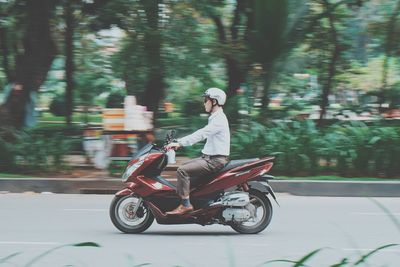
220	110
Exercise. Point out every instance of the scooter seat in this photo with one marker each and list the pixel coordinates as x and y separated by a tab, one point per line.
236	163
197	181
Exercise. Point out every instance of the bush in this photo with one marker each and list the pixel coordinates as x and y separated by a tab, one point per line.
300	148
38	152
295	145
387	151
7	156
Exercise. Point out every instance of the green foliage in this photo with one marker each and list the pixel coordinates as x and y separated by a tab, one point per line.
58	106
300	148
115	100
7	156
36	151
192	101
392	95
363	147
295	145
387	151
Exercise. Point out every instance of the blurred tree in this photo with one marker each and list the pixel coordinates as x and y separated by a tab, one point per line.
69	57
163	39
254	34
89	81
32	62
139	62
231	44
267	26
93	74
327	42
334	57
390	44
152	41
9	35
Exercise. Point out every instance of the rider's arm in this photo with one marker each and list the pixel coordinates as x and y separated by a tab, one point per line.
200	134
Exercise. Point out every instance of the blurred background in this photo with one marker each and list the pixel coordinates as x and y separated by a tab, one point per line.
85	83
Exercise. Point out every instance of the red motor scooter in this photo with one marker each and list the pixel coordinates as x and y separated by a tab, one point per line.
236	196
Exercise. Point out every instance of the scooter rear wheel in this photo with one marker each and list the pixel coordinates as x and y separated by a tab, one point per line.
262	205
130	214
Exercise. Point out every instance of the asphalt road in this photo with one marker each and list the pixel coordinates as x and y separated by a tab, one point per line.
344	227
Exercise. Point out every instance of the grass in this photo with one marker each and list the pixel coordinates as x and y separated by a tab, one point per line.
12	175
76	117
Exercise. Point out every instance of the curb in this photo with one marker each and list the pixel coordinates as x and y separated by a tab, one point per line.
112	185
338	188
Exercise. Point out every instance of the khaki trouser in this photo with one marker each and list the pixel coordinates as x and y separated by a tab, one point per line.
198	167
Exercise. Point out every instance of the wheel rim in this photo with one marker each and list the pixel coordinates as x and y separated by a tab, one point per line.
260	214
125	212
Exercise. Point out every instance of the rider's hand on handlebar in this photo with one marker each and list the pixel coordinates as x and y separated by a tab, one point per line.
173	145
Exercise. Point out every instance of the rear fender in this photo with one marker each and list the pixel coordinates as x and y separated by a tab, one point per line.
261	184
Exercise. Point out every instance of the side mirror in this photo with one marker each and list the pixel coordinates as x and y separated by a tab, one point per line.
170	136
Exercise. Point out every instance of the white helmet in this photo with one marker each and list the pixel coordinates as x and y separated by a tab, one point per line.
217	94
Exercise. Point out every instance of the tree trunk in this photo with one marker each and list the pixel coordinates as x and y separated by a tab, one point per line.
389	42
267	79
234	73
332	65
31	67
69	59
152	43
5	52
235	76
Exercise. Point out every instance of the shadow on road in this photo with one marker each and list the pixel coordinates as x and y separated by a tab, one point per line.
182	233
190	233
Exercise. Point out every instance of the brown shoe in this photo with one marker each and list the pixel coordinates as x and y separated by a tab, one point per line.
180	210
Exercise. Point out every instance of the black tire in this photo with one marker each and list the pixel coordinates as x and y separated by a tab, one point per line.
262	199
143	213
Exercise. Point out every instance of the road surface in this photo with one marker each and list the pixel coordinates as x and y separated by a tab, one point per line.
343	227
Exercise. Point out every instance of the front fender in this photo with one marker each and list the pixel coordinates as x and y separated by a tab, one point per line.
124	192
261	184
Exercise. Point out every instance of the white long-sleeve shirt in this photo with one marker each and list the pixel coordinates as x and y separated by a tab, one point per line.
216	132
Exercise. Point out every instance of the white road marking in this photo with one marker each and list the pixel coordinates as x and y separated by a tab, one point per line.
101	210
28	243
376	213
371	249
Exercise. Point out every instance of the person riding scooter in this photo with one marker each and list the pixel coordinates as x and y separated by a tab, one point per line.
215	152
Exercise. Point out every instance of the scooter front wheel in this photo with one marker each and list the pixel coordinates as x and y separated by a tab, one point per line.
130	214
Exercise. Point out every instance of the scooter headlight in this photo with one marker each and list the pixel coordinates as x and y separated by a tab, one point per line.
128	172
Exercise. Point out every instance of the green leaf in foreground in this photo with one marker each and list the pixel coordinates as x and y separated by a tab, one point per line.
343	262
364	257
83	244
5	259
273	261
307	257
300	262
388	212
86	244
